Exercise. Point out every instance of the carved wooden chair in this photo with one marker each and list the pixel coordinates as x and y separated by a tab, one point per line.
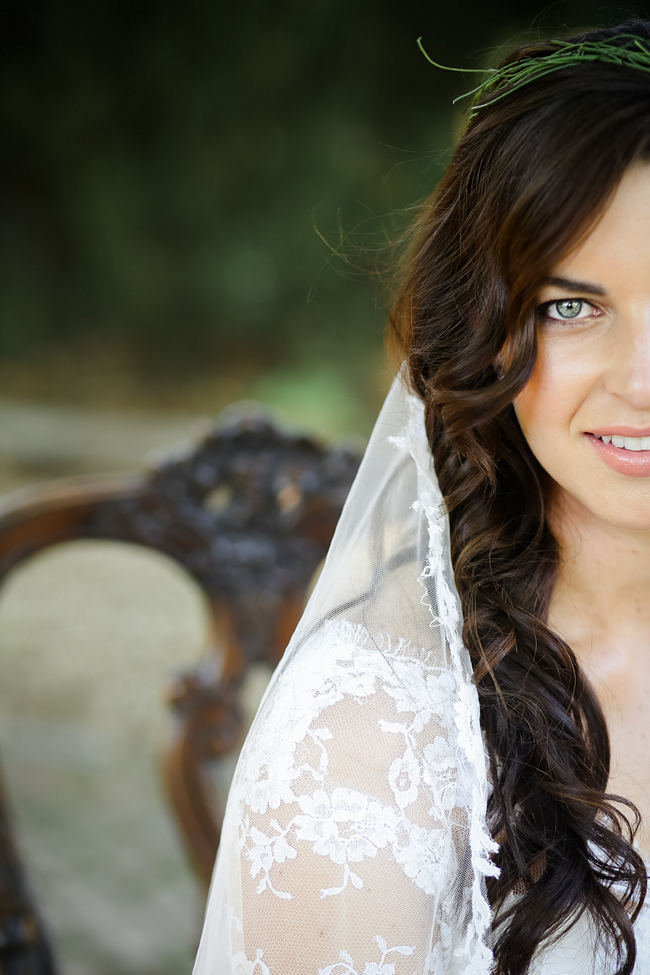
248	512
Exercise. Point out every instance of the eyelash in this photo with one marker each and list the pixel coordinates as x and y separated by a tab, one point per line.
542	311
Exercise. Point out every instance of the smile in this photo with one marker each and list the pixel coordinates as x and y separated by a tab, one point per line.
627	443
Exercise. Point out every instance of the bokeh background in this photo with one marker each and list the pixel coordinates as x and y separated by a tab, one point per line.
201	203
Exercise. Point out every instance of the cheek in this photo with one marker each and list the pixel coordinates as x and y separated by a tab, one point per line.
536	405
546	405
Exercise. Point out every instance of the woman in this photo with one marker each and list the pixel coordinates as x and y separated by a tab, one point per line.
448	773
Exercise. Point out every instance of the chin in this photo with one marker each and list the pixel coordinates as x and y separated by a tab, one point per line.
619	511
628	518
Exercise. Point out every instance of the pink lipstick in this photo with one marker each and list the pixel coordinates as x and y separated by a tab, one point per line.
634	463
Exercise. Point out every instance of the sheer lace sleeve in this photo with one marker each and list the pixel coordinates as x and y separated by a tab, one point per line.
346	846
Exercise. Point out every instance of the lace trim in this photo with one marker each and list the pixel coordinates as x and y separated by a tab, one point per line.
437	569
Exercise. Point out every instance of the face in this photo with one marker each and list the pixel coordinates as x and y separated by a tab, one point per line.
585	411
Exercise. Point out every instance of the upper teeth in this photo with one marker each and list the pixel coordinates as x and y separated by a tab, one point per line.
629	443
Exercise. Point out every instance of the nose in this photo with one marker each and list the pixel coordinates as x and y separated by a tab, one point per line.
628	372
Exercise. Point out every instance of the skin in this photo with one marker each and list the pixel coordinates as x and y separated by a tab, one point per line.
592	372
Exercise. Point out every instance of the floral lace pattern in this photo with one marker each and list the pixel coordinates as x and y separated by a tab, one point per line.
343	824
344	966
321	821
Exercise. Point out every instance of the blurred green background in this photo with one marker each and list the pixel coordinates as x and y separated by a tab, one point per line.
201	203
170	170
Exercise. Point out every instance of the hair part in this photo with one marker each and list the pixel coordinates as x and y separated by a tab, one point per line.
528	180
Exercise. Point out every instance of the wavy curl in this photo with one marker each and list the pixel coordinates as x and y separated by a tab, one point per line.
526	183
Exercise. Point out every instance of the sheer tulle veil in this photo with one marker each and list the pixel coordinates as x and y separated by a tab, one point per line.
373	703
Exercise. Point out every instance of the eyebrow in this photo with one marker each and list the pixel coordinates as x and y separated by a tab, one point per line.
568	284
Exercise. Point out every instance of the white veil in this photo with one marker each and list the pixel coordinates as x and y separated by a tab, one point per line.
355	840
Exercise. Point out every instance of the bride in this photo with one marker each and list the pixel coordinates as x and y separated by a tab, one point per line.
449	770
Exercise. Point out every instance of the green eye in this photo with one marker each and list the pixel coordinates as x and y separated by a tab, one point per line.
570	308
567	310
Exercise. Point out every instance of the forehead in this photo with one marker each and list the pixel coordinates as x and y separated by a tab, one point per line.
618	244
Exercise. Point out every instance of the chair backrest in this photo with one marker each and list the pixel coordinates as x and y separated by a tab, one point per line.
248	512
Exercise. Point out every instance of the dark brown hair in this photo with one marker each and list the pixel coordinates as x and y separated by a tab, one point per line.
528	178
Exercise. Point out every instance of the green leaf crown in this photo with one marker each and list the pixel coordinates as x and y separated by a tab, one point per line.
502	81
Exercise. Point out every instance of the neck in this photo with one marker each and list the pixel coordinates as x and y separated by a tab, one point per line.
600	600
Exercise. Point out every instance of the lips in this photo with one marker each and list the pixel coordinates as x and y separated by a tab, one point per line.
622	451
620	431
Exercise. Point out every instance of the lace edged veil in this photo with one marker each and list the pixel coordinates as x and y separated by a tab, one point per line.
365	762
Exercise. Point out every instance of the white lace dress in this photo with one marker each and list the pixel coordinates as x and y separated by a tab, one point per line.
354	841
